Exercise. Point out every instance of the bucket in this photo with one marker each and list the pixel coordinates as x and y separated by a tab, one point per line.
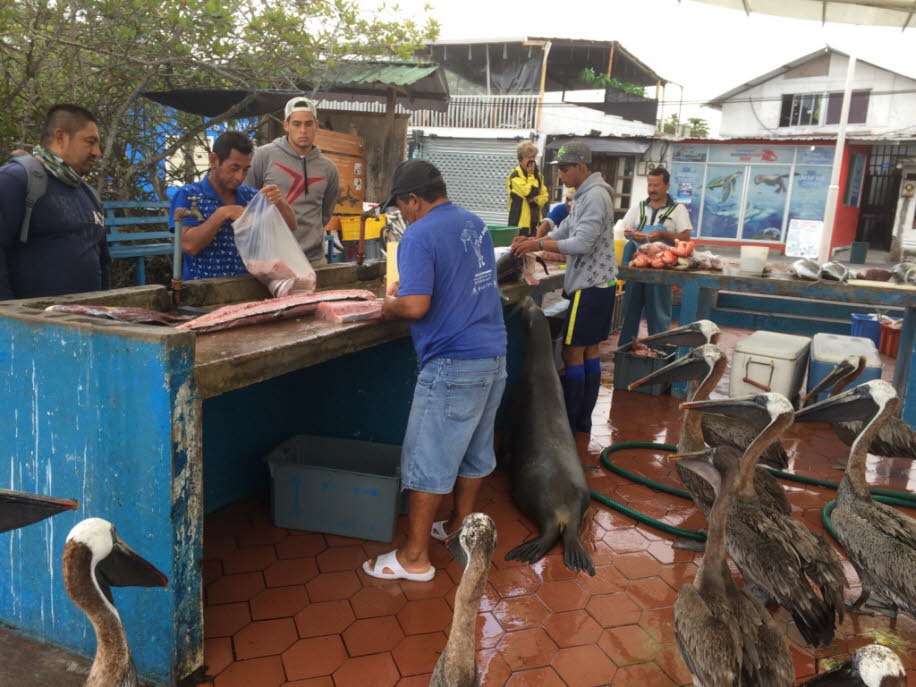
890	339
866	326
753	259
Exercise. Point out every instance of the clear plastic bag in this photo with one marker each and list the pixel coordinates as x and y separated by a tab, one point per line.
270	251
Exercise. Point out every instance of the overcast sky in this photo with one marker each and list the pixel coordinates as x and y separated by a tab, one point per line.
708	49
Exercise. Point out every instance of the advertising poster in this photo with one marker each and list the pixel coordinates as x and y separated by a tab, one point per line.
749	153
854	183
724	186
815	155
766	202
687	188
809	193
689	153
803	240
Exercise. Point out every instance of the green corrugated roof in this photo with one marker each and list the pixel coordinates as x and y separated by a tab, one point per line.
387	73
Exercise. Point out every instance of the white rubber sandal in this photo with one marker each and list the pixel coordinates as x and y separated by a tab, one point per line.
390	561
438	530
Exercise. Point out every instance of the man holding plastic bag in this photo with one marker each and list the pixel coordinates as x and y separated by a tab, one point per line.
209	244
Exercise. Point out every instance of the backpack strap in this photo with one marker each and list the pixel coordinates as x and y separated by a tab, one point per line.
36	185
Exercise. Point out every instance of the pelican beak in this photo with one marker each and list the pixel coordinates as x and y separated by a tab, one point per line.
855	404
453	544
750	408
692	335
684	369
842	369
124	567
18	509
702	467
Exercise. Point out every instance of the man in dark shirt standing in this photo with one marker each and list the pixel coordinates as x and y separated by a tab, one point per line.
65	249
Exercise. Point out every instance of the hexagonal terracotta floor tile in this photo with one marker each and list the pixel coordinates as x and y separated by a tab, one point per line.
669	660
425	615
217	655
638	565
279	602
324	618
628	644
665	552
521	612
539	677
230	588
640	675
492	668
611	610
333	586
551	568
659	623
259	535
377	670
585	666
340	558
211	570
314	657
301	546
626	540
514	581
564	595
264	672
291	571
225	620
527	648
372	635
371	602
572	628
489	631
264	638
607	580
415	681
418	654
651	592
436	588
325	681
678	574
251	559
218	545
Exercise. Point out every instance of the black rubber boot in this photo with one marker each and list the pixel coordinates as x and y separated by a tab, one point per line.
591	387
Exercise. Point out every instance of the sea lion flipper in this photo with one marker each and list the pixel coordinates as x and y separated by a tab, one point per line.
575	557
536	549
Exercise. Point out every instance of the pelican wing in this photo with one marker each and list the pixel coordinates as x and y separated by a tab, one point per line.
707	639
738	433
895	438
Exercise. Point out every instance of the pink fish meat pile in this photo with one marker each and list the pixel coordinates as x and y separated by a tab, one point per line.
341	312
108	312
271	309
280	278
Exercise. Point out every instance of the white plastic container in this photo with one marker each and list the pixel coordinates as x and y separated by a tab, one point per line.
753	259
769	361
829	349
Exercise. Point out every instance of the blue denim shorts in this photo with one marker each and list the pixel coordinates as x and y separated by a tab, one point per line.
450	429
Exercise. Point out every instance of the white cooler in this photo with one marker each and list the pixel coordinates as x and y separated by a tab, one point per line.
829	349
769	361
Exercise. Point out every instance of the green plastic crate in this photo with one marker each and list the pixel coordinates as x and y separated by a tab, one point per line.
502	236
336	486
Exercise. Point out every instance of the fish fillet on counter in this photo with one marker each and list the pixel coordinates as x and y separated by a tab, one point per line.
343	312
120	314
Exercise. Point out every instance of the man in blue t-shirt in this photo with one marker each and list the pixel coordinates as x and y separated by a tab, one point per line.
448	291
209	244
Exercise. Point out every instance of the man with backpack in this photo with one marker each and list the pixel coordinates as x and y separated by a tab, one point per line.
52	230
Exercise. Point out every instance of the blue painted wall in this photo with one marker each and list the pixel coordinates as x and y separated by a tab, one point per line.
90	415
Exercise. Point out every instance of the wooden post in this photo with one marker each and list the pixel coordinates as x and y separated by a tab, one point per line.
537	116
387	165
610	60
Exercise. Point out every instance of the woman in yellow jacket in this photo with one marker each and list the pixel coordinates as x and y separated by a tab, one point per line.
527	190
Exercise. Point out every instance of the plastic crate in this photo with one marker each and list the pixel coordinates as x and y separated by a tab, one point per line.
502	236
336	486
890	339
866	326
629	368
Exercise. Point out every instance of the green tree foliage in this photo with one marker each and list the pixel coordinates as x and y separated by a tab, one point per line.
696	127
590	76
103	54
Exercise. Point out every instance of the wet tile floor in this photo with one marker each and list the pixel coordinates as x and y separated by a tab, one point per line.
294	609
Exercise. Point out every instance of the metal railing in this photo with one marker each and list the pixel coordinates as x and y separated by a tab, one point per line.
482	112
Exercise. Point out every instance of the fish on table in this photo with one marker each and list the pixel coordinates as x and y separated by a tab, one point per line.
805	269
120	314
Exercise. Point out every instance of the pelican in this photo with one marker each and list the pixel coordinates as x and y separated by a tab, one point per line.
880	541
871	666
774	552
704	367
725	635
18	509
473	546
895	439
95	559
692	335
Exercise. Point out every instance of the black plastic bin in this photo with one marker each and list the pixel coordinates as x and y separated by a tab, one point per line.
629	368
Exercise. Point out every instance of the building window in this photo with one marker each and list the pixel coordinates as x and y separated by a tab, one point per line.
858	107
801	109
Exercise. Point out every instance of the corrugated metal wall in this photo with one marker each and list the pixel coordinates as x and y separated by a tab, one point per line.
475	171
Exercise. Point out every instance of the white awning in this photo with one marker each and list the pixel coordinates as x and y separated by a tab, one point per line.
898	13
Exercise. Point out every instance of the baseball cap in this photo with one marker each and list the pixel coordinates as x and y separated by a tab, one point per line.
299	104
572	154
412	176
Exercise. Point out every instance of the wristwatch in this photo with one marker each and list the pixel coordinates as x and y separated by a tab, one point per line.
540	244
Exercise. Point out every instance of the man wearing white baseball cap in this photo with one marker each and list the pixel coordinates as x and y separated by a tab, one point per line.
308	179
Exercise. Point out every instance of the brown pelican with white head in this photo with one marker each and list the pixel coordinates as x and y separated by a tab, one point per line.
18	509
880	541
895	439
871	666
472	545
692	335
776	553
703	367
95	559
725	635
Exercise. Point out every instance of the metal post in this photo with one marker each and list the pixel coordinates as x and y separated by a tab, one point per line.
833	191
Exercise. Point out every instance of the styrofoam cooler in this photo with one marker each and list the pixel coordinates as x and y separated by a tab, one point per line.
829	349
769	361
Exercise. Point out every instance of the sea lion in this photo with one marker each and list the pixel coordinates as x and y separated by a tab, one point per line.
548	482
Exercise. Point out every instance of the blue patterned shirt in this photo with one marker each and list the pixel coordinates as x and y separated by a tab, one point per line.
221	258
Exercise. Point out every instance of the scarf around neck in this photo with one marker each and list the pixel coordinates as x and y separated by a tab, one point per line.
59	169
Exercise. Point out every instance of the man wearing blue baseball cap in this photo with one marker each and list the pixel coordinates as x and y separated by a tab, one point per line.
448	291
587	237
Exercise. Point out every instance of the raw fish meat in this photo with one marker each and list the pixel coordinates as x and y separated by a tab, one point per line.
342	312
108	312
